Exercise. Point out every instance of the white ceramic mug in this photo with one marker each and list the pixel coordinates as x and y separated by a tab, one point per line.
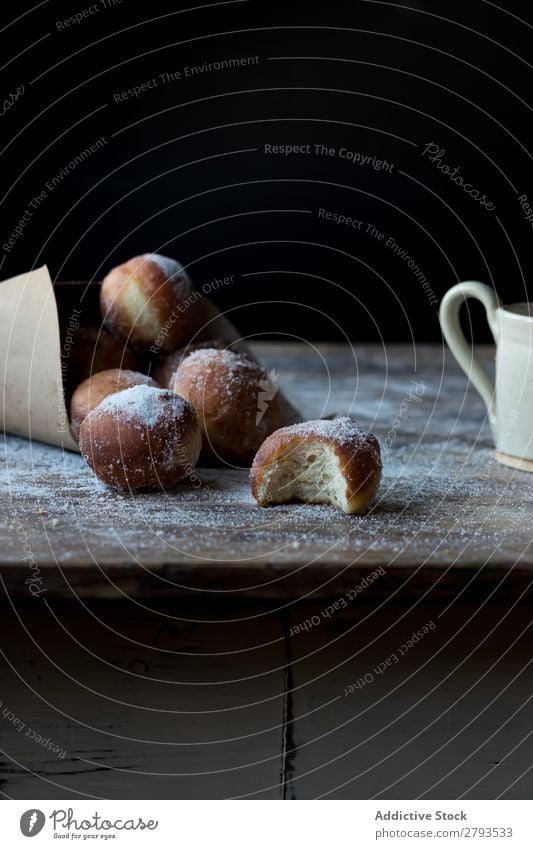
510	401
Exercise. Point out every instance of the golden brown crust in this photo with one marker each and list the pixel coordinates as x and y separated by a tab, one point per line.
165	369
141	438
149	302
92	391
236	402
357	450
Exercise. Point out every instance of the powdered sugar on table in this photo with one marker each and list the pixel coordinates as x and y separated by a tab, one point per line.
444	501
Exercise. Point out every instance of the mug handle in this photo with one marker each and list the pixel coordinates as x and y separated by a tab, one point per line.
460	348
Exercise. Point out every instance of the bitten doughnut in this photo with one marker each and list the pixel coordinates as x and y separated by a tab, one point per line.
141	438
165	369
149	301
237	403
93	390
91	350
320	462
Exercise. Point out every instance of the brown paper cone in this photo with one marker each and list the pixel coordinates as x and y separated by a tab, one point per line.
33	401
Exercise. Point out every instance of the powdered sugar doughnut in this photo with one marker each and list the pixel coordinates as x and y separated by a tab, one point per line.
320	462
149	301
93	390
141	438
237	403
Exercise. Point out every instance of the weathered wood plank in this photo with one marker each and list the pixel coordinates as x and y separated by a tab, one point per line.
449	718
141	702
444	500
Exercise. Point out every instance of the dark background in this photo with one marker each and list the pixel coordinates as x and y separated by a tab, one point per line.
183	169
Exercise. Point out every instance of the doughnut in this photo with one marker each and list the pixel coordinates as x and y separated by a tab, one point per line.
149	302
320	462
141	438
165	369
89	350
236	401
93	390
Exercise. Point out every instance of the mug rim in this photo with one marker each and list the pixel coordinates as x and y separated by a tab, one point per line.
513	310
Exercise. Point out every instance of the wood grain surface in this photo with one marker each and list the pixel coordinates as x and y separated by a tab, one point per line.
190	700
141	704
445	506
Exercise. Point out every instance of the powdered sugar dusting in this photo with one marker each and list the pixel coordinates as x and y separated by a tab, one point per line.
444	500
135	376
231	360
141	404
342	430
435	506
171	268
232	369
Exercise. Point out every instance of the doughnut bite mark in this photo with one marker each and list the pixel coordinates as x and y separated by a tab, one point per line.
320	462
141	438
93	390
149	301
235	400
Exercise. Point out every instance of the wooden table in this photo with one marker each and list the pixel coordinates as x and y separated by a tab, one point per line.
191	645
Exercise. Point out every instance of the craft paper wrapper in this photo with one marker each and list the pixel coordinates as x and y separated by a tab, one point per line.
33	400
